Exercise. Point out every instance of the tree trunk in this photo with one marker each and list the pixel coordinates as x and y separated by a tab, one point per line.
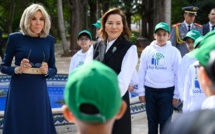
93	17
77	24
105	5
128	18
156	16
11	17
61	27
167	15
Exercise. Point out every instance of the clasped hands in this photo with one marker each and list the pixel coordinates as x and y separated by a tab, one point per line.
25	65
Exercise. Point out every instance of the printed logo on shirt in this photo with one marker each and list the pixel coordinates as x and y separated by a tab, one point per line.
197	83
158	61
80	64
197	86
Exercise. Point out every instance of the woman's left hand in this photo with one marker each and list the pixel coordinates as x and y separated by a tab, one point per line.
44	68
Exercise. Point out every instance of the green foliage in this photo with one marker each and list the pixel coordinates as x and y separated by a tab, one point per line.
133	38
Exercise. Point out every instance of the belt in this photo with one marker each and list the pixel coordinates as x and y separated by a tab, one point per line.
32	71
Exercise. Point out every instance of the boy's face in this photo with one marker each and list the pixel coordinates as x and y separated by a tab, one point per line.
190	43
84	41
162	37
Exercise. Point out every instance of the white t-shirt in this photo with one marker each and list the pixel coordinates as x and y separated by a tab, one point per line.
185	63
77	60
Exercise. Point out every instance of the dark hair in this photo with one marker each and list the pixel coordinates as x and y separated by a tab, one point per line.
126	31
211	10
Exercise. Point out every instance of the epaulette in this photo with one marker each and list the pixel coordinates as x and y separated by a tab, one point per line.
198	24
177	24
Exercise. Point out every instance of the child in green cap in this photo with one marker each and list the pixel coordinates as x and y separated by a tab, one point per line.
193	95
186	61
206	57
98	26
84	41
87	97
200	121
159	64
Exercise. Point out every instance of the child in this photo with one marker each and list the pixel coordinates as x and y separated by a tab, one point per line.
158	77
92	98
84	41
193	94
186	61
98	27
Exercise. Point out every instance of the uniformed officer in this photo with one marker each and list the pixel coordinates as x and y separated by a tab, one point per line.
179	30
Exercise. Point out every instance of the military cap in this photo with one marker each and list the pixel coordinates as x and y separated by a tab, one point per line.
191	9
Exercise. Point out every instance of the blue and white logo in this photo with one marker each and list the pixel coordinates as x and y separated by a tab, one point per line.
158	59
157	62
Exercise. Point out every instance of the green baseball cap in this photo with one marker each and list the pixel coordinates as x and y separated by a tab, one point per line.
193	34
98	23
162	25
206	46
85	32
198	40
94	84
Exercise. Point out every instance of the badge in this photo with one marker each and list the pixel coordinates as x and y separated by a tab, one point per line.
182	34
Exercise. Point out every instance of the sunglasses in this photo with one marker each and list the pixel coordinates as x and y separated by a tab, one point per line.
36	65
83	39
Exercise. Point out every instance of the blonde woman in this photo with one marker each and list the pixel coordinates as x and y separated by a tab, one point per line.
28	109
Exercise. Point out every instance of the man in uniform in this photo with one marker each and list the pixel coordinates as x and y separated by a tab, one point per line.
179	30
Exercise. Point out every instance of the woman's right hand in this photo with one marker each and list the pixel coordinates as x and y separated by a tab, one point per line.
24	65
142	99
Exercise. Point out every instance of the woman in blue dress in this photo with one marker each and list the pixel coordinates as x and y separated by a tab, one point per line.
28	109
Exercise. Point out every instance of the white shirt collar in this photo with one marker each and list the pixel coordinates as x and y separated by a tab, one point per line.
210	26
109	44
191	25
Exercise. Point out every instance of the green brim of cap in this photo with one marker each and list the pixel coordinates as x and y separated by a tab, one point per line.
85	32
193	34
206	46
97	25
198	40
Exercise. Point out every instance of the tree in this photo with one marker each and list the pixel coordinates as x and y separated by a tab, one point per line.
78	17
7	16
93	16
61	27
129	7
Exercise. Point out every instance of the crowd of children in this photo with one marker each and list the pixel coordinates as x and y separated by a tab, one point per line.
163	77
